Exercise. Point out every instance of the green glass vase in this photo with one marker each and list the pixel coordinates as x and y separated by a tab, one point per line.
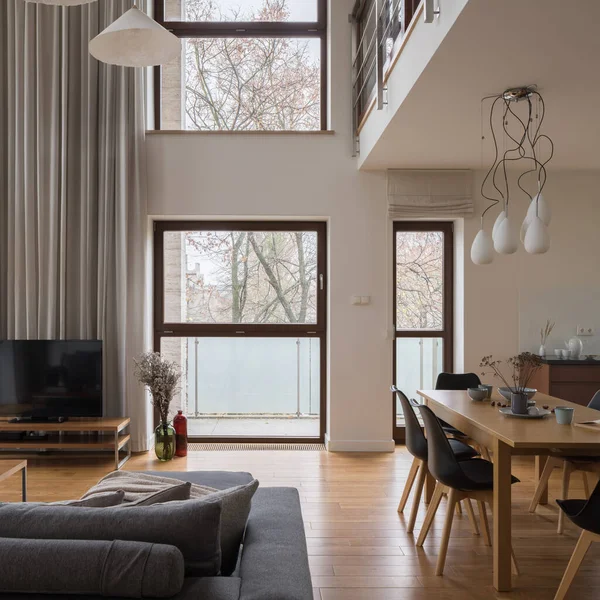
164	442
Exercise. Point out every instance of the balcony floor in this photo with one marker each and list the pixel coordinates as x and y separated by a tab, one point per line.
267	426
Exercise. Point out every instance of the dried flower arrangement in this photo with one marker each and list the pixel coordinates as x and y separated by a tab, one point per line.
161	377
523	367
546	331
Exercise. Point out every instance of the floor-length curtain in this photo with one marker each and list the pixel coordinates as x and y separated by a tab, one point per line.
72	195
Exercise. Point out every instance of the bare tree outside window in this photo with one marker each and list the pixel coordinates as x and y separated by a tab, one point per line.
419	280
243	83
249	276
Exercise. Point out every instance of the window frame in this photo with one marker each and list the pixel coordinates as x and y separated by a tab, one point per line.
164	329
247	29
447	332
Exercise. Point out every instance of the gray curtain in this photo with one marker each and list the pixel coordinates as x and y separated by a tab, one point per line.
73	201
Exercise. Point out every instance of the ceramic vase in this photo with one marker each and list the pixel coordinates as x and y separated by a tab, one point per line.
518	403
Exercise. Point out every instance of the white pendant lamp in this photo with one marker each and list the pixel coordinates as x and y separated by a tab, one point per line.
537	238
61	2
135	40
539	207
482	250
506	240
499	220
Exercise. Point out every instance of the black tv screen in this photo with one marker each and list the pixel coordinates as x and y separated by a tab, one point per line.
50	378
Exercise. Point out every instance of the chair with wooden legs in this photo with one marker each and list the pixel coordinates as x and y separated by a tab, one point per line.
471	479
570	464
585	514
459	381
416	444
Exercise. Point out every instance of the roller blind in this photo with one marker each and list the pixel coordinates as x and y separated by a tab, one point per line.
429	193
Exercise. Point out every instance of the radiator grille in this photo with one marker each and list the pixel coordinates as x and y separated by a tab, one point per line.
204	447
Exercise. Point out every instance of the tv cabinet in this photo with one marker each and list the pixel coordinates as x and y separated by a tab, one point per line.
102	434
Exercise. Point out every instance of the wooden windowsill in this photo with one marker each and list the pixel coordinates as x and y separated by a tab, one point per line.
227	132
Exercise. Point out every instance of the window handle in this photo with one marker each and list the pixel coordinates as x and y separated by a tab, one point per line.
321	280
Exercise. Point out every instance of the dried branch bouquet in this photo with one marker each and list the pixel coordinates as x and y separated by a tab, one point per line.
161	377
522	367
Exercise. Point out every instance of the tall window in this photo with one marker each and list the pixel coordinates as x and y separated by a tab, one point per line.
244	65
423	307
241	308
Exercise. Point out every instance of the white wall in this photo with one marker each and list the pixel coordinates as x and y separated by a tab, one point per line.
507	302
305	176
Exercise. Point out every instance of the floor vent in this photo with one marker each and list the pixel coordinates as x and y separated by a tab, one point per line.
196	447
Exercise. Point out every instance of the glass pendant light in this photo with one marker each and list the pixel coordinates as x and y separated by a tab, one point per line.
537	238
506	240
135	40
482	249
499	220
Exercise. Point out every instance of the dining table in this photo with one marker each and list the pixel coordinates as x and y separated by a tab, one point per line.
506	436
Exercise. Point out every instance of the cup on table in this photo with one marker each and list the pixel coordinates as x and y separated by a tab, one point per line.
565	354
487	388
564	415
558	353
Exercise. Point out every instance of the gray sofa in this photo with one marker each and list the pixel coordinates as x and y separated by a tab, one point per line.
273	561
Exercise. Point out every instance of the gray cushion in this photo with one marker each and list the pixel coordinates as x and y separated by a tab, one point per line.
171	494
274	559
216	479
236	504
193	526
117	568
98	501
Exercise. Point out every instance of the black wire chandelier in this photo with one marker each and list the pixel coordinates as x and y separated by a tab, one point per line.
522	111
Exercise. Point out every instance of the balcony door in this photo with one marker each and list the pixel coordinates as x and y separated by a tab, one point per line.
240	306
423	307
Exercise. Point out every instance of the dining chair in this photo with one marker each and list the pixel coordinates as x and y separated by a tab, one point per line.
585	514
570	464
471	479
459	381
416	444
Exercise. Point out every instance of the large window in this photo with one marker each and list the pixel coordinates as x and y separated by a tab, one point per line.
241	308
423	307
245	65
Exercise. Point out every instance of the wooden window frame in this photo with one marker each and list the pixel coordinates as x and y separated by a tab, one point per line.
164	329
247	29
447	333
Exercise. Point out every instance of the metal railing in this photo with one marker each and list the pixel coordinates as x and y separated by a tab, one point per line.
376	27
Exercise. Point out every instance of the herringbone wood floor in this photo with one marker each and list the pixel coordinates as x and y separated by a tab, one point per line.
358	546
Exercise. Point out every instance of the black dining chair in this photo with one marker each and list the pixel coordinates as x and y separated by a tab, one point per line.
585	514
455	382
416	444
466	479
570	464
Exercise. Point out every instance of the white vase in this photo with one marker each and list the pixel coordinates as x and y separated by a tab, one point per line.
542	351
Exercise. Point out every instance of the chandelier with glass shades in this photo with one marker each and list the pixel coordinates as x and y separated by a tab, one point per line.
525	151
133	40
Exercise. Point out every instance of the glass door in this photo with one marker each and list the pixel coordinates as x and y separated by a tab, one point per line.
240	306
423	308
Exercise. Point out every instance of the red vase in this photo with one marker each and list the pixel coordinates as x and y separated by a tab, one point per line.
180	425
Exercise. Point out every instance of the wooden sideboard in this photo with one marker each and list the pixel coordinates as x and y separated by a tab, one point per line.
573	380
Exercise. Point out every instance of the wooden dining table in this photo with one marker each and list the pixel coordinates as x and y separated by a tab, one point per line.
506	436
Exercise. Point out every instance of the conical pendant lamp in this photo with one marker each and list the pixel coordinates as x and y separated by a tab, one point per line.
135	40
61	2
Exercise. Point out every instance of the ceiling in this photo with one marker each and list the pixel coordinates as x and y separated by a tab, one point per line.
491	47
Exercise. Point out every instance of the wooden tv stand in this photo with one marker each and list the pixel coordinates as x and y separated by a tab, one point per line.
74	434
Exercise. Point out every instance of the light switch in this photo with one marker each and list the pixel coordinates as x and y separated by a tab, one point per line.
356	300
365	299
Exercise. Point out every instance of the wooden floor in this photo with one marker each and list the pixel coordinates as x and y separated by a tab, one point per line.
358	546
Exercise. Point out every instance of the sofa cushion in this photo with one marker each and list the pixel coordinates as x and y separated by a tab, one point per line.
170	494
98	501
193	526
215	479
117	568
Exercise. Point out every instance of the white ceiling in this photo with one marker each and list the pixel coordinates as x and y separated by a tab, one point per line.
493	46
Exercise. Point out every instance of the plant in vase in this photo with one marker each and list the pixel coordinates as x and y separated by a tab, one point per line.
161	378
544	334
522	368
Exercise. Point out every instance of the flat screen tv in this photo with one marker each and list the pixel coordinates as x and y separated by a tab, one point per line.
50	379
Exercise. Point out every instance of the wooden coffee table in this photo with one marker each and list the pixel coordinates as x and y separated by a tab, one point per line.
9	468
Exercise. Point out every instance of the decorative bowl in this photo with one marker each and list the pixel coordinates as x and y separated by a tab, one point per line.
477	394
506	393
